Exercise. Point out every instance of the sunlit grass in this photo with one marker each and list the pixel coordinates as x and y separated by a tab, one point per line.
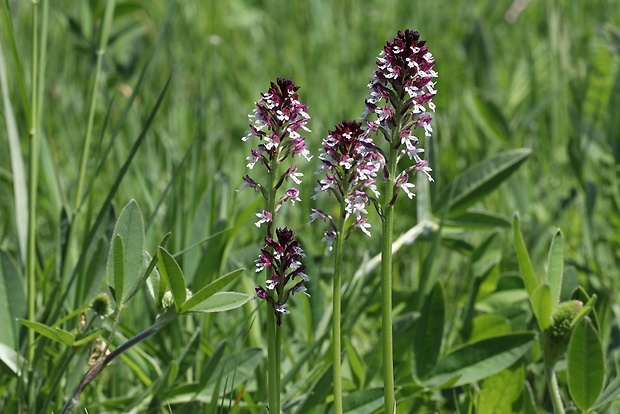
545	77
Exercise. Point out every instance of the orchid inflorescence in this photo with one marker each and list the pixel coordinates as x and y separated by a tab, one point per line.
276	122
351	163
282	259
401	89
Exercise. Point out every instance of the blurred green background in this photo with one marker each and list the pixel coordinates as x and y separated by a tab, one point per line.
535	74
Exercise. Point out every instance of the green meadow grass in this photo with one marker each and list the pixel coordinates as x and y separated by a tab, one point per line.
170	106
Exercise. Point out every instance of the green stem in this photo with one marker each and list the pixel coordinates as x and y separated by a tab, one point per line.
103	41
554	389
386	289
336	318
278	407
273	332
272	362
34	175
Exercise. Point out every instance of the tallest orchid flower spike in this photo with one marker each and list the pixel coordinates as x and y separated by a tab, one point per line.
401	94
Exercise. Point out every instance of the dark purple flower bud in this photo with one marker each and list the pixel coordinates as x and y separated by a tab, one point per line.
282	256
248	182
261	293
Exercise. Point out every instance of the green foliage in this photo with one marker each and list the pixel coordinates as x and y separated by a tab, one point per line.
473	362
585	365
501	393
126	259
163	89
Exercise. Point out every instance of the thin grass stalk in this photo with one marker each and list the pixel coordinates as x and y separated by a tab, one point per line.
386	288
103	41
32	197
337	314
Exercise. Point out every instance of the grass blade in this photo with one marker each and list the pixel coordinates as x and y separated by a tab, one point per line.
20	189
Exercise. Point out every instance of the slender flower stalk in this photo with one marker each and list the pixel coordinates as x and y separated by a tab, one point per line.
401	90
350	164
276	122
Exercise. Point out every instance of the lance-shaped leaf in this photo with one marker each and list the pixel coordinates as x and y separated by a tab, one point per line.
55	334
482	359
429	333
221	301
501	392
542	306
171	272
611	393
525	264
585	365
130	228
209	290
555	269
363	401
118	267
12	300
479	180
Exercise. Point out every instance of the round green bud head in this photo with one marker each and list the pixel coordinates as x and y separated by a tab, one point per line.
101	305
563	317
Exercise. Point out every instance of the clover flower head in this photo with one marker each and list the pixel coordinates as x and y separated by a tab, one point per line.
282	257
